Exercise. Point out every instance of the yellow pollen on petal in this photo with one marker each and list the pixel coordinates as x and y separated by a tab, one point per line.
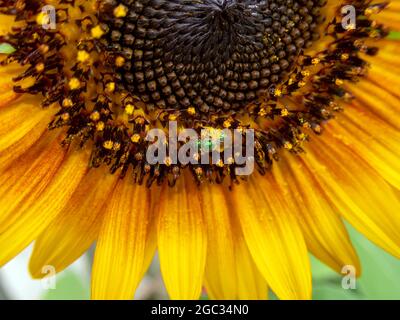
284	112
74	84
100	126
135	138
277	92
110	87
168	161
42	18
368	11
44	48
39	67
220	163
214	117
139	120
191	111
347	96
227	123
83	56
287	145
65	116
108	144
97	32
344	56
317	128
120	11
305	73
264	111
371	10
119	61
302	136
129	109
339	82
315	61
95	116
67	103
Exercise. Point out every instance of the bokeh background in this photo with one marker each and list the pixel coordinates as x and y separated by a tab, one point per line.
380	278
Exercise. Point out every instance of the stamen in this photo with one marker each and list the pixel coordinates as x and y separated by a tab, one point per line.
136	67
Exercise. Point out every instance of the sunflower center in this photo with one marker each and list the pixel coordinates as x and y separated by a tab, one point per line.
210	54
197	64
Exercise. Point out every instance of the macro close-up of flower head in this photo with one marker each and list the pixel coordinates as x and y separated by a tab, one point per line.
231	139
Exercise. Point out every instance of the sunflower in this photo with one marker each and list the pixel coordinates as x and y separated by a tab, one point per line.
83	82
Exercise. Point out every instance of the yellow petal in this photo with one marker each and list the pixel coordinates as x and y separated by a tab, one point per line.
121	249
324	232
74	230
182	241
381	74
390	17
360	194
151	240
230	271
273	236
220	272
371	138
250	283
33	219
6	22
377	100
21	125
16	121
28	177
7	94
